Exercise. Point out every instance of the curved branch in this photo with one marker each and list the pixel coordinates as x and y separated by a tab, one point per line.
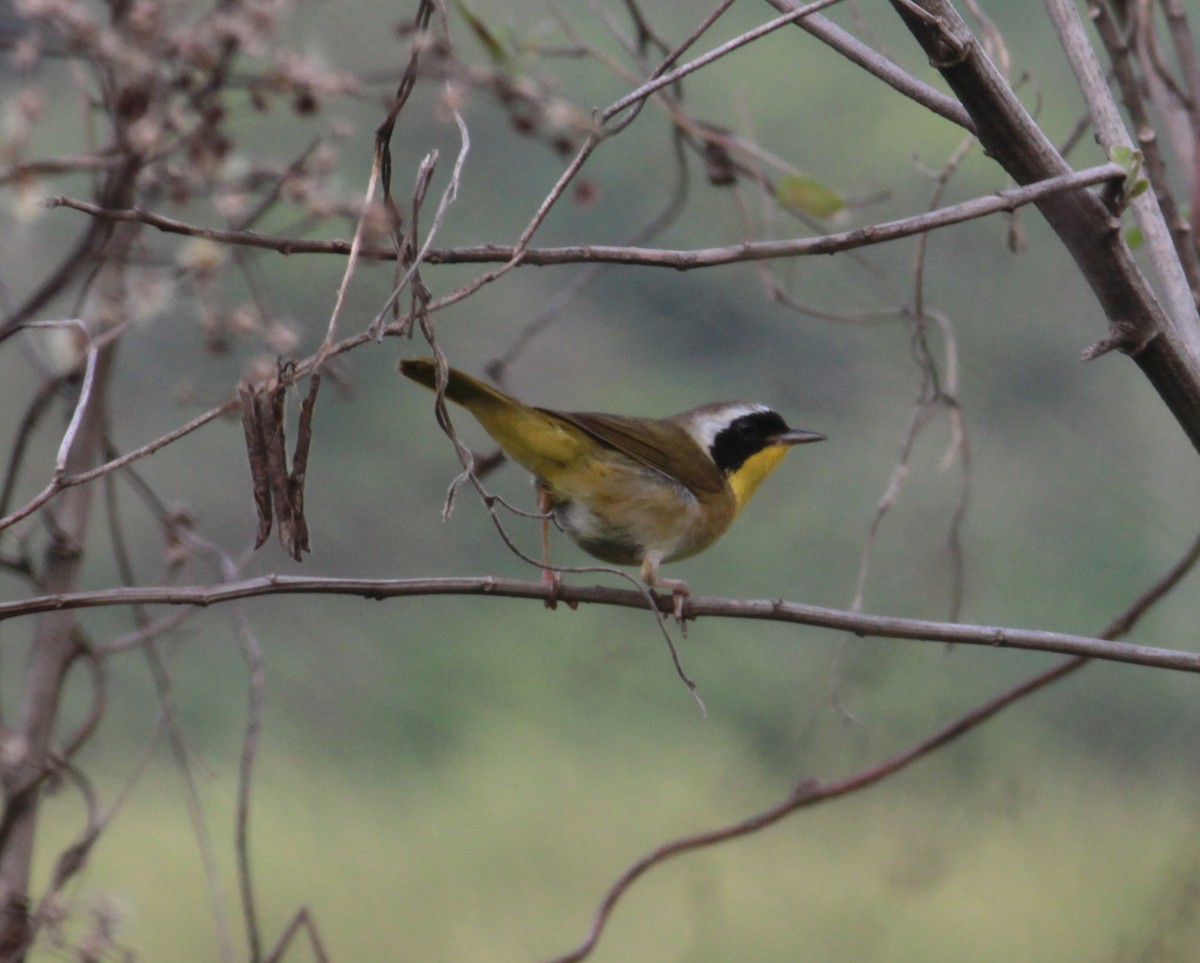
809	792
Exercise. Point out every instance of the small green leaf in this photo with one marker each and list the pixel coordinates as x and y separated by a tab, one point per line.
1132	160
1134	238
809	195
1121	155
1134	184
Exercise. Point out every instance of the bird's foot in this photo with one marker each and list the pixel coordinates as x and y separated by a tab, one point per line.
554	580
679	591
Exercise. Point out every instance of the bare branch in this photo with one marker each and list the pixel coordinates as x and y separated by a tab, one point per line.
810	792
694	607
671	76
352	260
59	483
1111	132
85	391
1001	201
448	197
303	920
879	66
255	694
169	723
50	166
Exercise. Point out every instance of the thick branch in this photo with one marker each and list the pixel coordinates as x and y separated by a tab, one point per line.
1161	345
773	610
1110	133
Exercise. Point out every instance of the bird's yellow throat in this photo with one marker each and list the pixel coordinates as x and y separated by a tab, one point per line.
753	470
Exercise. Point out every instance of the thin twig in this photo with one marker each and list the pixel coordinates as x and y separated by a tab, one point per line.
85	391
356	244
255	695
671	56
50	166
723	50
877	65
1001	201
303	920
1155	165
449	195
565	295
604	129
168	720
74	858
33	414
61	482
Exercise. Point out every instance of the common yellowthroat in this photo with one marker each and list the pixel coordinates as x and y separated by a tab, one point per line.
632	491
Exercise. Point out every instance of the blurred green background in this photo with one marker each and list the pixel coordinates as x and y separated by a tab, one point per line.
461	779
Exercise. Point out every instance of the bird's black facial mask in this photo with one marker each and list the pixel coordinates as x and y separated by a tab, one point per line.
745	436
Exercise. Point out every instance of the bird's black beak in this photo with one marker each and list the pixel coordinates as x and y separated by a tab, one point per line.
797	436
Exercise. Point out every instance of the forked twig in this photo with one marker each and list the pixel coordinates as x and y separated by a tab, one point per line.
449	195
302	921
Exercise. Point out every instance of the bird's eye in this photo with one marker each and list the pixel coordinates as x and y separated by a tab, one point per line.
747	430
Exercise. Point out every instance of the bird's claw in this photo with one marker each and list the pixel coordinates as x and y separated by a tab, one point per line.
554	580
679	592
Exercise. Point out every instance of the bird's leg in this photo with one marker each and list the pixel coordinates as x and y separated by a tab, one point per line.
677	586
545	505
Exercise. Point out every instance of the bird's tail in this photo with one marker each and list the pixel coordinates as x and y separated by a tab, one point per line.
461	388
541	440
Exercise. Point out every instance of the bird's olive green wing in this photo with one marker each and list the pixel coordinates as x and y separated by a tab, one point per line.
548	442
658	444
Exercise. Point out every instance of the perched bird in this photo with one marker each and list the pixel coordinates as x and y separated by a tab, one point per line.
632	491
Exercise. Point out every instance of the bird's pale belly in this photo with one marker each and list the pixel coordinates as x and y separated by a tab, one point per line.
623	514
